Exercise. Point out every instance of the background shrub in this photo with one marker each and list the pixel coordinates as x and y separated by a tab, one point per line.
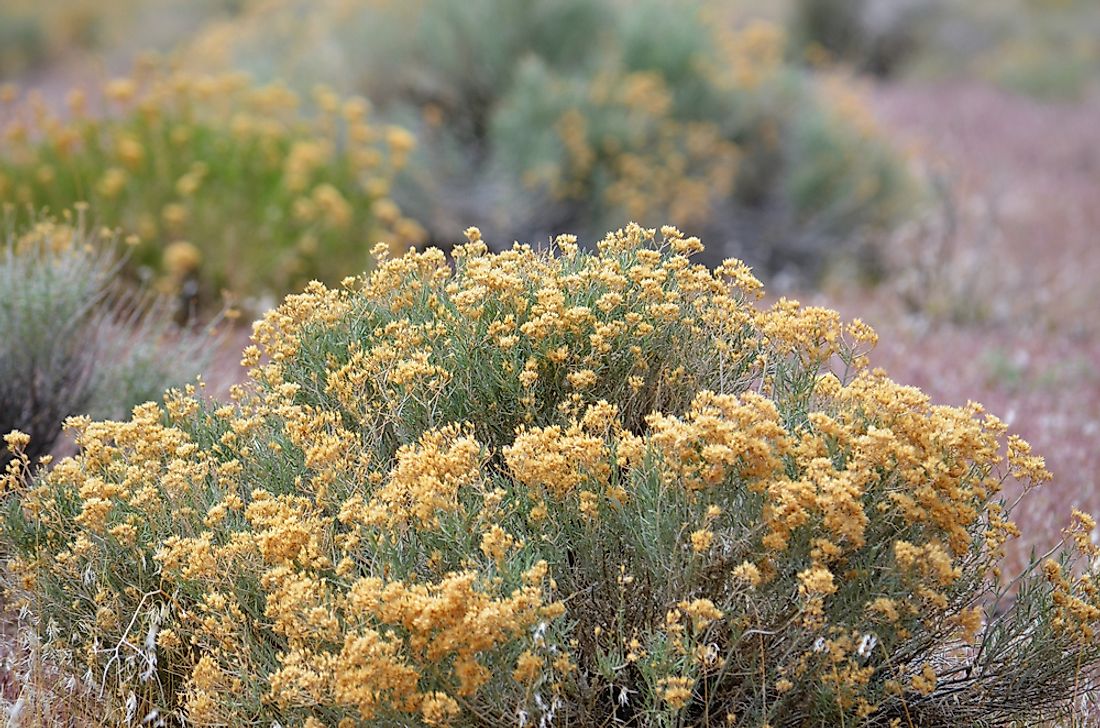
76	339
586	489
40	35
1046	49
227	183
877	36
574	115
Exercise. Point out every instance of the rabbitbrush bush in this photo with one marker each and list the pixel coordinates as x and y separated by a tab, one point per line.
261	193
74	339
563	489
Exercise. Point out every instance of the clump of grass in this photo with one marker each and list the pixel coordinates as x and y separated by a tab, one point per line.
561	489
225	182
76	339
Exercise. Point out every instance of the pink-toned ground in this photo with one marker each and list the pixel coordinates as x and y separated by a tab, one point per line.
1016	287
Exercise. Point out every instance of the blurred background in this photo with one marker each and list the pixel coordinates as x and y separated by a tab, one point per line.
931	166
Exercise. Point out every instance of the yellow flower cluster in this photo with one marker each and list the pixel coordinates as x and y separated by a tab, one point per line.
548	458
603	474
425	480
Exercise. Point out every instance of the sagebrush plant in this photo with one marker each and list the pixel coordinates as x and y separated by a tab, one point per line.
75	339
550	487
1047	49
576	114
223	179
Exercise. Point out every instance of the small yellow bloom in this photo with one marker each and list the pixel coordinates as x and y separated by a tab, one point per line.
584	379
817	580
676	691
925	681
748	572
181	258
702	540
16	440
496	543
120	90
175	216
528	668
112	182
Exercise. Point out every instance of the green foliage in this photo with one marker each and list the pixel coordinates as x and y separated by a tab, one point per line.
880	37
576	115
39	35
1047	49
827	191
1043	48
22	44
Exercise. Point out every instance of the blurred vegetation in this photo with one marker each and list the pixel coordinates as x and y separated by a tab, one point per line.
37	33
1045	48
576	114
227	184
876	37
87	343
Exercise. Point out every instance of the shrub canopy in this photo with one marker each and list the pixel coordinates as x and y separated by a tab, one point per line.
556	488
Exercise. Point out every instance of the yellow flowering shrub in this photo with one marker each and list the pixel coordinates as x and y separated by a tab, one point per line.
224	181
550	487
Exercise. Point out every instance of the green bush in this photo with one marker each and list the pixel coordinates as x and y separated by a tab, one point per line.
226	183
76	340
571	489
22	44
1044	48
573	115
1049	50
